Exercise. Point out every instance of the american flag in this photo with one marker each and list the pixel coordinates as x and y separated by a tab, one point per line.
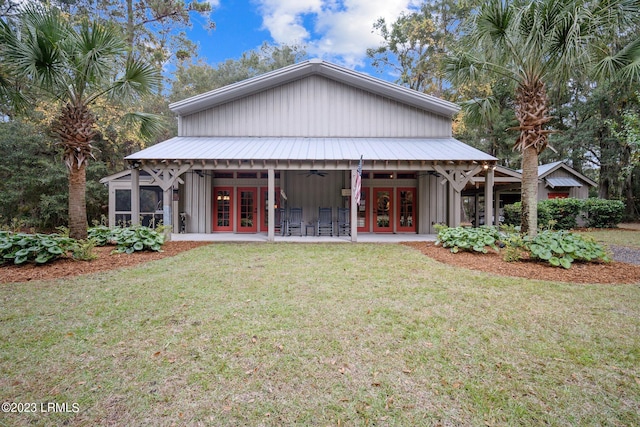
358	182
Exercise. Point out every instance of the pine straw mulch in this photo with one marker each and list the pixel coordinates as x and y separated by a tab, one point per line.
614	272
492	262
68	267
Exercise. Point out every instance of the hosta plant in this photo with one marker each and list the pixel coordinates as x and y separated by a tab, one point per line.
468	239
128	239
562	248
20	248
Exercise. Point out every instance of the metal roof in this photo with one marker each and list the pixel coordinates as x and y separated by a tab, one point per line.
314	67
562	182
291	148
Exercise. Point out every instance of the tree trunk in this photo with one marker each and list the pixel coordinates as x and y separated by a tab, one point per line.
529	191
77	201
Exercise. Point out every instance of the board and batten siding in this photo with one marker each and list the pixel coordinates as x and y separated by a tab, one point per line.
315	106
198	204
574	192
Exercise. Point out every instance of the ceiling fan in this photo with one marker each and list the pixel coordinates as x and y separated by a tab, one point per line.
316	172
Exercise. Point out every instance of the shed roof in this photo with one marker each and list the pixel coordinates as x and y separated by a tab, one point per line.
291	148
314	67
549	168
562	182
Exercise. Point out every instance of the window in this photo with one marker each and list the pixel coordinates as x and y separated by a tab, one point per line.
151	209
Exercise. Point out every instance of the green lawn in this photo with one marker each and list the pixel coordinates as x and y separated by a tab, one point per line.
306	334
615	236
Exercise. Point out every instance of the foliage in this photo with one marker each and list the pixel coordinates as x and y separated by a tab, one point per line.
514	249
512	214
561	248
128	239
565	212
468	238
47	56
154	29
415	45
601	213
83	250
537	46
33	181
193	78
38	248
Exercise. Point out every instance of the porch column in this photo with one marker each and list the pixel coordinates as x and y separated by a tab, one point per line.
454	205
496	209
353	209
167	200
135	196
488	197
271	198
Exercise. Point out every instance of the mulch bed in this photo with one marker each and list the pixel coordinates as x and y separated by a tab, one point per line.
606	273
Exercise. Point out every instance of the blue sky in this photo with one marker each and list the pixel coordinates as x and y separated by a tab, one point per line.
339	31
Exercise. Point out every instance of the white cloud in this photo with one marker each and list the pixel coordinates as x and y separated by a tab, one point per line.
337	30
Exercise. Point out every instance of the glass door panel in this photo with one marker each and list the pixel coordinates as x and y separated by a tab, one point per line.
222	209
264	224
406	209
382	213
363	211
247	210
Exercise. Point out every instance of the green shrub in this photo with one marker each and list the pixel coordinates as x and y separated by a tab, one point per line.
101	235
83	250
561	248
564	212
468	239
600	213
513	214
128	239
20	248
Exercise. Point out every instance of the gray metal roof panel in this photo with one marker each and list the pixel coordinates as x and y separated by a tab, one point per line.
274	148
305	68
563	182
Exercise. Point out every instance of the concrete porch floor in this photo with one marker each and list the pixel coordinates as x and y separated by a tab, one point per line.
262	237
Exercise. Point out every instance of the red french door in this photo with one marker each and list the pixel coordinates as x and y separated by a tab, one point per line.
363	211
222	209
247	210
382	210
264	193
406	199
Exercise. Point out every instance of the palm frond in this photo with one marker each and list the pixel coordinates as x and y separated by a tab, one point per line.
94	50
625	63
139	78
149	125
481	110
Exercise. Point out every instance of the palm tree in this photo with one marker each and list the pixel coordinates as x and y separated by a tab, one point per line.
49	58
533	43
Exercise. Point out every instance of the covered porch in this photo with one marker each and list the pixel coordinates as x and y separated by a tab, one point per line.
245	185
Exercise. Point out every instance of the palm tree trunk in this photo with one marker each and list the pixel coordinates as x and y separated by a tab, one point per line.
77	201
529	190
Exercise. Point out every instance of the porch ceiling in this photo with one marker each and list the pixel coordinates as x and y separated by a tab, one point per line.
305	150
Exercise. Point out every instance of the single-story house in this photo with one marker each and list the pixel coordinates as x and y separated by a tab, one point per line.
269	152
555	180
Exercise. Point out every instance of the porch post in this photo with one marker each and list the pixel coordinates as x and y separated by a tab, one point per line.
353	209
167	200
454	204
488	197
271	183
135	196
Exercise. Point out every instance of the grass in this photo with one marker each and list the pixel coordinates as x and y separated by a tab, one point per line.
615	236
306	334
